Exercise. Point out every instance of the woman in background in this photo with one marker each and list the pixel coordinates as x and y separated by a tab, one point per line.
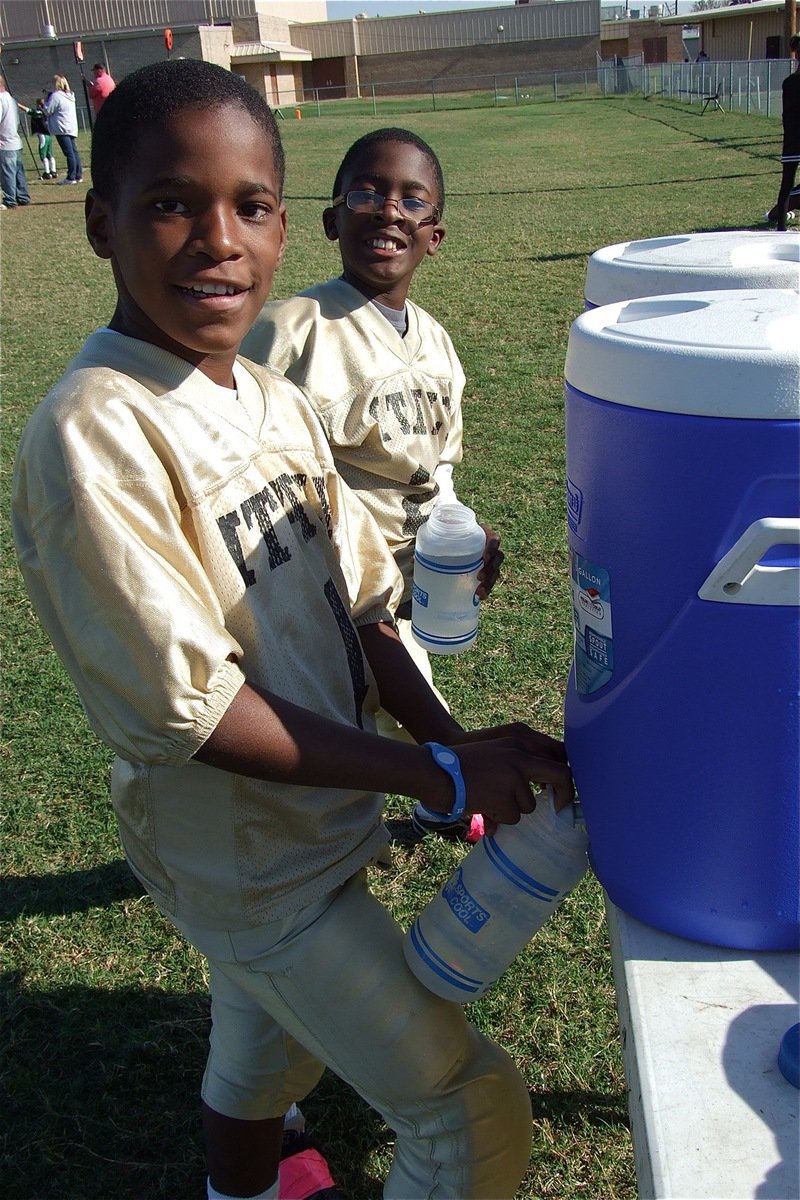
62	121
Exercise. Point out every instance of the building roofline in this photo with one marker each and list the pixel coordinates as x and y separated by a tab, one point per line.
732	10
98	35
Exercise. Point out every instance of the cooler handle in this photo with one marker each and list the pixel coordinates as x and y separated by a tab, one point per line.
739	577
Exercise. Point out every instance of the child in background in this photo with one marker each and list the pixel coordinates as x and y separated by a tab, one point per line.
382	374
221	601
38	121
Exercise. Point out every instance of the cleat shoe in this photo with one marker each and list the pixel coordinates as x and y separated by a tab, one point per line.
424	821
303	1173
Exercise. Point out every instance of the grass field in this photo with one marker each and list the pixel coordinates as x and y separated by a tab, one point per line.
105	1009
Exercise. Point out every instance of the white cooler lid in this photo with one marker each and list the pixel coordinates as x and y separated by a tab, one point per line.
691	262
717	354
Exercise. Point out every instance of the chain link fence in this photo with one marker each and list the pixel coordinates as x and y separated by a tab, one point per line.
750	87
467	91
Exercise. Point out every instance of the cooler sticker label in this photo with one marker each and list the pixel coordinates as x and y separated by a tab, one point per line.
464	906
420	595
574	505
591	616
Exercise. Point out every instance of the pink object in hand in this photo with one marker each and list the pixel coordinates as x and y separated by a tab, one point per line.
476	830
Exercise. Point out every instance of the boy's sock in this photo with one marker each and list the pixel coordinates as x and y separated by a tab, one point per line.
271	1193
294	1119
293	1122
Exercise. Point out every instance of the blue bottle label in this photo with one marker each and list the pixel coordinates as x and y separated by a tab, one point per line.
464	906
444	609
591	616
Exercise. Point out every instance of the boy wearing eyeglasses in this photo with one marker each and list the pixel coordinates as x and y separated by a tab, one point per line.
382	374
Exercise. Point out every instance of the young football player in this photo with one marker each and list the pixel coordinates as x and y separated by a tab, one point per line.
221	601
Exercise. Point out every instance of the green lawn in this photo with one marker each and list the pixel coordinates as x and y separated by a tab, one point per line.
106	1011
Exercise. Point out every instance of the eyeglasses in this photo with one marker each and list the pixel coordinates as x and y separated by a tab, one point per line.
411	207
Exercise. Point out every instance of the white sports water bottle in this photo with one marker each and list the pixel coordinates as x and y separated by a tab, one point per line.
492	905
447	558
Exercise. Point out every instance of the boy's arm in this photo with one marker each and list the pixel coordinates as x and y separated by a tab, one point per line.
405	693
263	736
266	737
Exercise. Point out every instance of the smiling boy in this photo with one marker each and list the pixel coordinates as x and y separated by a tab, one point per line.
381	372
221	601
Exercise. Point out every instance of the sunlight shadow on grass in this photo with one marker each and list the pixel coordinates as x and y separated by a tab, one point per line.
67	892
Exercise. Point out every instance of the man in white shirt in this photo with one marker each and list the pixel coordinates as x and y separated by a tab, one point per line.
12	172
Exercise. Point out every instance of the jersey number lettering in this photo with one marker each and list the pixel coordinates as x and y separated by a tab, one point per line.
352	646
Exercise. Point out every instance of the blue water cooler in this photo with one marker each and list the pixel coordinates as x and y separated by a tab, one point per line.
682	713
692	262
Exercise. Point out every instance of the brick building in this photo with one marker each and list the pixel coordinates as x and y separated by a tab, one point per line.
349	56
286	48
650	38
740	32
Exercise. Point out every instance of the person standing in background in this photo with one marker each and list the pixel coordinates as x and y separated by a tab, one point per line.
38	121
790	155
12	171
101	87
62	120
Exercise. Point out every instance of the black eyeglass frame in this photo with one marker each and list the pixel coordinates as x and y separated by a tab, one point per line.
380	202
